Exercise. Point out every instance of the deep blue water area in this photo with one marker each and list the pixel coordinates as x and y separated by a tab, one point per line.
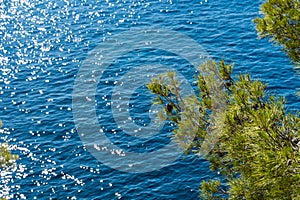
42	47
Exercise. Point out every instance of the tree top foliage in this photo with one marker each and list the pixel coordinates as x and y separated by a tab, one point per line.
280	22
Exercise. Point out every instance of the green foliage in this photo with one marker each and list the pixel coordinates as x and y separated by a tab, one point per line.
245	133
281	23
6	158
212	190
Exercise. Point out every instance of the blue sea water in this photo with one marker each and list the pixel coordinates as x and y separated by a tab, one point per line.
42	47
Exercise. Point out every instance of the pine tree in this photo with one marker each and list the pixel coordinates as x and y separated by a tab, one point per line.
280	22
6	158
252	140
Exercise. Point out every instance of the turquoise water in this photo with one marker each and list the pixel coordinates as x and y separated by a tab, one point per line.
42	47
